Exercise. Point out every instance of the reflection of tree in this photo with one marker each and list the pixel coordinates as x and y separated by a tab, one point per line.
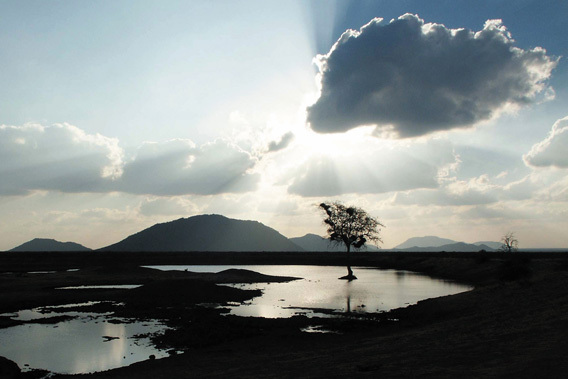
348	296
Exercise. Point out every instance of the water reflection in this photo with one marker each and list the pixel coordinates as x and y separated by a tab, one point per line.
102	287
78	345
375	290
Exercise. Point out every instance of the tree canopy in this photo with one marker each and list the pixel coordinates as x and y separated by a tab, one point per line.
350	225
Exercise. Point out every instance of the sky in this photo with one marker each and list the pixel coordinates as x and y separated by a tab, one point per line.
446	118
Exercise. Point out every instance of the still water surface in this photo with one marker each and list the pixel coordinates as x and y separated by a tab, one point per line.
86	343
89	342
375	290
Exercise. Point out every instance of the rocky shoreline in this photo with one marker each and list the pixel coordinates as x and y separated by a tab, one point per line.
513	324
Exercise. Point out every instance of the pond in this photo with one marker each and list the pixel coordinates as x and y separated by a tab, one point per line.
84	342
81	343
320	293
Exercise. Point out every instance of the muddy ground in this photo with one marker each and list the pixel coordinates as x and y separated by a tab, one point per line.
513	324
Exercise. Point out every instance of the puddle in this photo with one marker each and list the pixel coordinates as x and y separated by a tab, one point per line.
89	342
317	329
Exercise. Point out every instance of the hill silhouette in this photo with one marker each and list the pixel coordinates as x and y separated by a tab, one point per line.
313	242
452	247
47	244
492	244
427	241
206	233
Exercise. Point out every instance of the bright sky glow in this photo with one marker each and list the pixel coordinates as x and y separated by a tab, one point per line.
116	115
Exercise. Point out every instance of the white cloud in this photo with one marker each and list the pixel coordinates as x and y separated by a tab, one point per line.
443	197
373	170
411	79
168	206
178	167
553	150
61	157
64	158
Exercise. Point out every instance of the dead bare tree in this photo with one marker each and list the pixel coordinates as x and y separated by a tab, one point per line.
510	243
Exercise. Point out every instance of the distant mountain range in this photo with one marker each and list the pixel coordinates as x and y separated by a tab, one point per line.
433	243
427	241
492	244
46	244
219	233
313	242
206	233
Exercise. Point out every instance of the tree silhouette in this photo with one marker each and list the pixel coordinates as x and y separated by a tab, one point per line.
350	226
510	243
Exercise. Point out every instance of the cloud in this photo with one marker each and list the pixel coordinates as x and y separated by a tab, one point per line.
168	206
64	158
282	143
485	213
178	167
552	151
445	197
398	169
61	157
410	78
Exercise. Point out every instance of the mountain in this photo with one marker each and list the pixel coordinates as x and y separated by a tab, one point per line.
46	244
206	233
427	241
492	244
452	247
313	242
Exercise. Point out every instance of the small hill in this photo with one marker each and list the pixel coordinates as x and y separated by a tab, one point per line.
46	244
206	233
313	242
492	244
452	247
427	241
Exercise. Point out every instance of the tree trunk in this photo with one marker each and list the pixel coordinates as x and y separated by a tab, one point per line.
349	275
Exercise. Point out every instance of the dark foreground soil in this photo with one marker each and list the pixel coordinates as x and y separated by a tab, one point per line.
513	324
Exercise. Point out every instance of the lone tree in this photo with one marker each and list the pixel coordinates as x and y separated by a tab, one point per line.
510	243
350	226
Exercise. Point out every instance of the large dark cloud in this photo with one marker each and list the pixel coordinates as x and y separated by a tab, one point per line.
553	150
410	78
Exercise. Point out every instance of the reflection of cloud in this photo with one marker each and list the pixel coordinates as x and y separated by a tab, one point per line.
412	78
553	150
